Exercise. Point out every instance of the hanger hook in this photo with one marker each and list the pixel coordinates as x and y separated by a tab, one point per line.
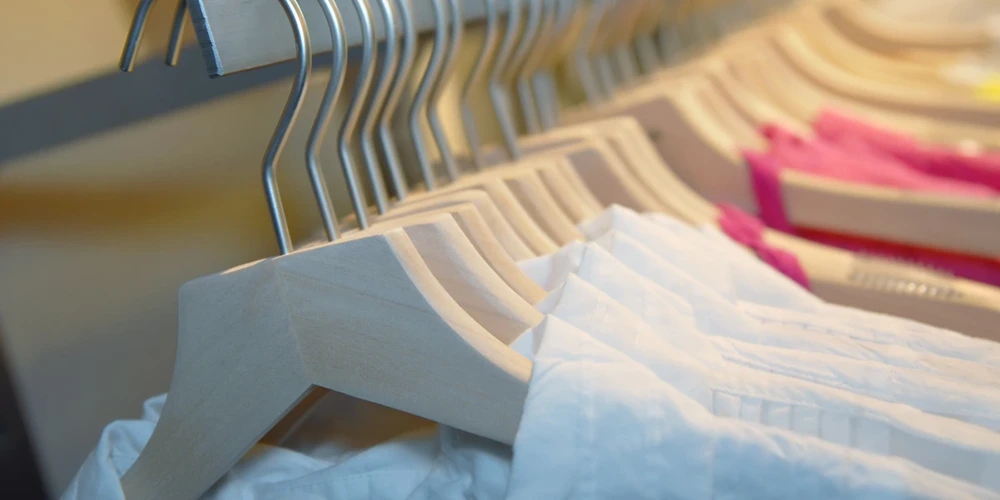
324	115
485	53
522	72
134	37
420	97
177	33
521	50
377	100
437	90
303	53
586	72
498	93
365	72
398	86
543	80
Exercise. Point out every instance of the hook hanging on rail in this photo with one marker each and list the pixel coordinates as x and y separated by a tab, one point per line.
498	93
437	90
419	103
365	72
396	89
378	91
324	115
289	114
485	53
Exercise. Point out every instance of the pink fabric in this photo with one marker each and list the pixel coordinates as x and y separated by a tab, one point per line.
748	231
947	163
853	160
765	179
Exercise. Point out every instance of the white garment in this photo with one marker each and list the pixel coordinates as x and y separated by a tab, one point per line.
715	315
869	376
725	389
596	424
668	446
738	278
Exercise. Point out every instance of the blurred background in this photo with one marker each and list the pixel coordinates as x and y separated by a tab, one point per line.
114	190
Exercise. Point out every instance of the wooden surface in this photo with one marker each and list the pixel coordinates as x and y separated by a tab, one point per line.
237	35
254	339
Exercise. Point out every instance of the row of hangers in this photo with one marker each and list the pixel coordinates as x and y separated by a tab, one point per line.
414	305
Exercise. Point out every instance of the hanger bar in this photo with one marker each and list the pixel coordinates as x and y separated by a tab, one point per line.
238	35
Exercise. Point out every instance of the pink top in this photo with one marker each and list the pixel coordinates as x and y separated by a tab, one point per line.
748	231
942	162
765	178
853	160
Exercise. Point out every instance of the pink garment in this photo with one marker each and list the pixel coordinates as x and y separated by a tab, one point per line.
748	231
765	178
853	160
948	163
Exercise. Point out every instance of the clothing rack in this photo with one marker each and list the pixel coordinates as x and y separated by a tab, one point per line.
238	35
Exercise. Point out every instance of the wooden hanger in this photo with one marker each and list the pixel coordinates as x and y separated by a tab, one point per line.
255	340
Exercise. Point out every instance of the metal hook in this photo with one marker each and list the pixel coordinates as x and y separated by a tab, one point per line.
303	53
627	18
378	91
533	43
323	116
468	117
396	90
365	72
527	39
437	90
420	97
134	38
177	33
645	45
498	93
584	65
544	79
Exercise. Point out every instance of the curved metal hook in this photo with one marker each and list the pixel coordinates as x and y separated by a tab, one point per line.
378	91
177	33
544	79
468	117
584	65
420	98
385	134
303	53
134	38
533	44
524	45
498	93
437	90
323	116
365	72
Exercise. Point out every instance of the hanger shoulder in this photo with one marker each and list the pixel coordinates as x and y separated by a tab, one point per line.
539	203
504	232
481	236
513	211
364	317
466	275
927	220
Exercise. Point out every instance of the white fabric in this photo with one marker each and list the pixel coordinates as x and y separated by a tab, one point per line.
669	446
838	415
597	424
730	273
824	359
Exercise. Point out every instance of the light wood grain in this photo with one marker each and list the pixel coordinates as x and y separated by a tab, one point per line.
364	317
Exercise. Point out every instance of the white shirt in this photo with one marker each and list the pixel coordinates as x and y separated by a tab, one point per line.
596	424
729	272
839	415
868	375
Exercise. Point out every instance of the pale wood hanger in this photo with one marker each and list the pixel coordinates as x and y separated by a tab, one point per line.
255	340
